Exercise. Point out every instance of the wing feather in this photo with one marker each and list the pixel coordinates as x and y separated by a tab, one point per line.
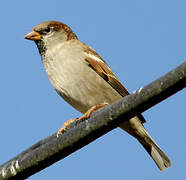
101	68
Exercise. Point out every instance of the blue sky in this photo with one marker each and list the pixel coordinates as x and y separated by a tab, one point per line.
140	40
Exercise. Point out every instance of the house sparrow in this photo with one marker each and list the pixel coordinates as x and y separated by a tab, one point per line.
82	78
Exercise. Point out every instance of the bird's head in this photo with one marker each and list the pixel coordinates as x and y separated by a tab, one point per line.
49	33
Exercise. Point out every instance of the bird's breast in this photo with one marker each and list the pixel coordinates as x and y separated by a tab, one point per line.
76	82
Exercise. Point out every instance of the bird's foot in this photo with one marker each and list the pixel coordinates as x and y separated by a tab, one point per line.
91	110
65	126
84	116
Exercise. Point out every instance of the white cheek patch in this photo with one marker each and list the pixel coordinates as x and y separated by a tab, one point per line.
94	57
48	36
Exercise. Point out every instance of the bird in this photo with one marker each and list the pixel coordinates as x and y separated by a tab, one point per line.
83	79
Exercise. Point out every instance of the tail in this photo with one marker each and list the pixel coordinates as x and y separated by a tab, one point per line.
159	157
135	128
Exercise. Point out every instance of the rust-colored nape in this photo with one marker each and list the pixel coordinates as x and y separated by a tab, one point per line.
70	34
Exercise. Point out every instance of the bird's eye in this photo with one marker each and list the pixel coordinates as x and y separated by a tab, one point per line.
47	30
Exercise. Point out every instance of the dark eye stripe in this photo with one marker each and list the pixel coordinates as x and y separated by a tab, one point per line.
47	29
44	30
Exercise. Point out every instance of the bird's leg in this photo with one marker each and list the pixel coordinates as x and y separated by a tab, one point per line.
84	116
91	110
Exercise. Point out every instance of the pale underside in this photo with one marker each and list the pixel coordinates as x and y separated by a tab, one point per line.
75	81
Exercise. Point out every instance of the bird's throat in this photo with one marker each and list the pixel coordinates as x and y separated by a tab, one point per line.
41	47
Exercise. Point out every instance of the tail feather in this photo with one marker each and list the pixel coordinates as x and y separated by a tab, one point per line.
135	128
159	157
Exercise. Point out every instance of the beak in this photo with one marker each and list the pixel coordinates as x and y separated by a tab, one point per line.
33	35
